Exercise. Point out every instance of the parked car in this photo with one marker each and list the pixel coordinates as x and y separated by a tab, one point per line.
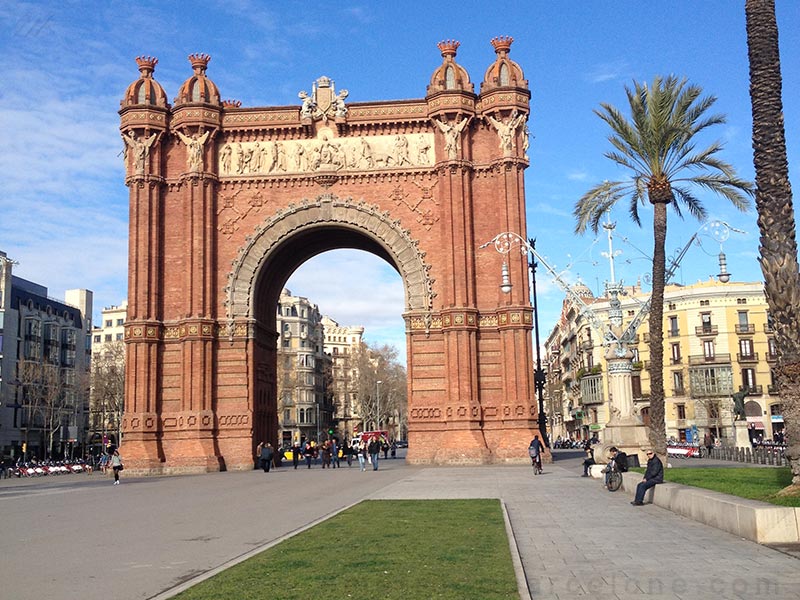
402	443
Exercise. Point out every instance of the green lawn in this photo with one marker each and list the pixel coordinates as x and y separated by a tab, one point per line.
756	483
398	549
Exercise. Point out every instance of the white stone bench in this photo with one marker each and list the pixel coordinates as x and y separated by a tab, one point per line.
751	519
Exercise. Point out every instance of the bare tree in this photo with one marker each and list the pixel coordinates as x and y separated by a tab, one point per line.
383	402
108	388
44	400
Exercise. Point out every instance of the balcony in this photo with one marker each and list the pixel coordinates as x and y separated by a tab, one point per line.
745	328
679	391
587	344
675	360
773	390
706	330
674	333
747	358
771	357
702	359
768	328
752	390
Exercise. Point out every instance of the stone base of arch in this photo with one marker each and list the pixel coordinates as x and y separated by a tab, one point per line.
469	446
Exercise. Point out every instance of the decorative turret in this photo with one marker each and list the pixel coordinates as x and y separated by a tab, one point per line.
450	76
504	72
198	88
145	90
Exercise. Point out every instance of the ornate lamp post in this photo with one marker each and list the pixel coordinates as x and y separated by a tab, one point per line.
503	243
378	403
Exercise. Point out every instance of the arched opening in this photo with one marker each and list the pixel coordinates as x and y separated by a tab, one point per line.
280	247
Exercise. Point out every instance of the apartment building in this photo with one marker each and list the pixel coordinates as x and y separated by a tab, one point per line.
341	345
44	365
305	407
717	341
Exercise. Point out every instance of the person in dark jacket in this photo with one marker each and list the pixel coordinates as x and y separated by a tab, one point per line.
653	475
266	455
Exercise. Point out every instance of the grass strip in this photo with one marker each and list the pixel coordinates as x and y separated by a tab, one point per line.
381	549
755	483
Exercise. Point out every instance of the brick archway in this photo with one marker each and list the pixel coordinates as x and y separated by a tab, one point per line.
227	201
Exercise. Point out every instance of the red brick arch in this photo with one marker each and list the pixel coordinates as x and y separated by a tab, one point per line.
227	201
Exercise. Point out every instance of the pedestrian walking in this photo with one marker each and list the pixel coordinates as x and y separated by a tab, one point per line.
374	451
308	452
335	454
266	455
116	465
295	454
361	448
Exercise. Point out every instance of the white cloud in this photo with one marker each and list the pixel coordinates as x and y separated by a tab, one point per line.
609	71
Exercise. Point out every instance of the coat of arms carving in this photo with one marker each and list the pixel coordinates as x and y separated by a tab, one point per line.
324	102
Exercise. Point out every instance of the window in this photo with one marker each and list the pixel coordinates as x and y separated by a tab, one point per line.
107	337
741	301
119	337
636	384
708	349
746	349
97	339
713	410
704	302
681	410
773	347
743	318
673	326
677	383
287	415
109	322
705	319
711	381
120	322
504	74
676	354
449	78
749	379
672	306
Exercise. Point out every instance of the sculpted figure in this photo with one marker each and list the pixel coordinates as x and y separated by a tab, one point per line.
307	110
266	160
738	404
248	159
225	158
140	149
507	131
452	136
365	154
281	160
300	158
255	164
340	110
194	144
525	142
422	151
273	164
401	151
239	158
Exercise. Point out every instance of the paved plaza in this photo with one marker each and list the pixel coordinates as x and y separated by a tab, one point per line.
79	536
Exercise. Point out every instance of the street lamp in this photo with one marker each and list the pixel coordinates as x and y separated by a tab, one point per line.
378	402
503	243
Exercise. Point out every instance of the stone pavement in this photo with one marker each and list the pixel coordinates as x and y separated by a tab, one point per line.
80	536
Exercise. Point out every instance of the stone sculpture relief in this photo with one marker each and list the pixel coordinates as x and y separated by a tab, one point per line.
506	131
327	153
194	145
140	148
452	136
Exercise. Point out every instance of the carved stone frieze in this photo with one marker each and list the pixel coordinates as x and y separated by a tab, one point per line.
327	153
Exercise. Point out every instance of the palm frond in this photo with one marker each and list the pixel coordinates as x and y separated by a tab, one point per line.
595	203
684	196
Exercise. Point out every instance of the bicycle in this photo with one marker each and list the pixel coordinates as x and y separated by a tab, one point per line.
536	462
614	480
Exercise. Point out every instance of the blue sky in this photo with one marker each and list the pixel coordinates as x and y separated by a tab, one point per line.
64	207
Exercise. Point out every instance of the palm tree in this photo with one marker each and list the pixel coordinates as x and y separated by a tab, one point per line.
776	214
657	147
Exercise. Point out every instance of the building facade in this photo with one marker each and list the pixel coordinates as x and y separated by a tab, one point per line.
107	401
717	341
341	346
305	408
44	368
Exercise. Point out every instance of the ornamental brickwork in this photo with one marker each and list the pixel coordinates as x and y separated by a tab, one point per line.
227	201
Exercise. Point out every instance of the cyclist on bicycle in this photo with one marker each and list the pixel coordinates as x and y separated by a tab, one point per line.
618	462
535	451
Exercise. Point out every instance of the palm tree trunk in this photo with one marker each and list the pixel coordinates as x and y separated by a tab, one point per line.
776	213
657	434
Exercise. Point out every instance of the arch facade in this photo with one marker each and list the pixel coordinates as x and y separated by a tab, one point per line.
227	201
